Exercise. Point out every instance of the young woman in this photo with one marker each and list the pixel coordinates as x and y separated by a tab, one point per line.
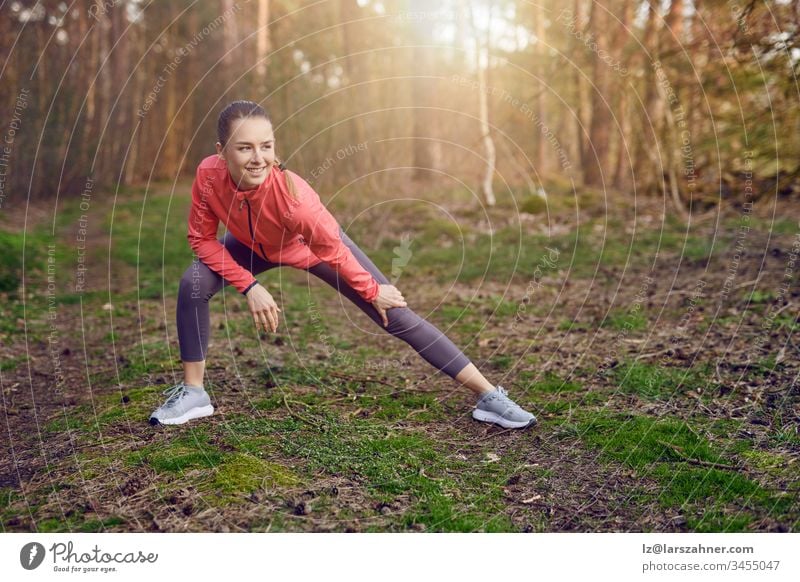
274	218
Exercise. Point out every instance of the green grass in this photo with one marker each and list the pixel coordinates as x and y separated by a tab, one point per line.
620	319
570	325
11	363
395	405
243	473
671	237
191	450
759	297
533	205
374	436
51	264
655	382
131	405
148	234
11	251
500	307
149	358
304	374
134	404
458	319
582	253
765	366
76	523
502	361
788	321
48	270
671	453
778	226
12	504
68	421
534	383
786	435
388	464
697	248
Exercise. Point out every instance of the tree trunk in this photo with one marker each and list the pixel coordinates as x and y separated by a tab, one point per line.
426	154
102	165
620	40
648	168
230	32
483	51
597	167
540	157
349	14
580	141
671	137
674	20
120	122
263	41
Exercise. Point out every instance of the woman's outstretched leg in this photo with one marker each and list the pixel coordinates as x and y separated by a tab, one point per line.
493	404
404	323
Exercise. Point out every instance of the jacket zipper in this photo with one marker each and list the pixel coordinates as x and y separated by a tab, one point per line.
250	224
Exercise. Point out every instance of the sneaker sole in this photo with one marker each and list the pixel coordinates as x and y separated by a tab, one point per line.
486	416
198	412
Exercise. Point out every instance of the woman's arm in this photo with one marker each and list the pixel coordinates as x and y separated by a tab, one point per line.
202	235
309	217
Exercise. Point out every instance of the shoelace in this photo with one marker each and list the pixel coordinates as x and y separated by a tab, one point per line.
174	394
502	395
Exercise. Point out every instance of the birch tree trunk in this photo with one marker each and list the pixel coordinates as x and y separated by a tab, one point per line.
541	159
483	106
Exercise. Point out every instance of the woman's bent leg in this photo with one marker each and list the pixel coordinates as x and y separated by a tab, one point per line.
198	285
404	323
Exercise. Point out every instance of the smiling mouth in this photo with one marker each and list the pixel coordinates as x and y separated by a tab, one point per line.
256	171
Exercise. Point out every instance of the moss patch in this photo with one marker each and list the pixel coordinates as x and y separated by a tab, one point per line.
243	473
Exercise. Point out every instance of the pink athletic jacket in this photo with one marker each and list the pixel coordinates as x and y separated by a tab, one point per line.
300	233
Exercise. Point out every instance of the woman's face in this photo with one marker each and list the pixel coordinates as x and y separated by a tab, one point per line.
250	151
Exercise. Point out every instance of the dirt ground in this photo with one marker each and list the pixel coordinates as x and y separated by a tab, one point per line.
80	456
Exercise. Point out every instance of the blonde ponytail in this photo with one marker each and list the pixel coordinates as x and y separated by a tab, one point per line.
289	182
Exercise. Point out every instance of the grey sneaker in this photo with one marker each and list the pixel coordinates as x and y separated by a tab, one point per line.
498	408
183	404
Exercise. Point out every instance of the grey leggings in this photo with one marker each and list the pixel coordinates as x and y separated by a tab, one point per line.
199	284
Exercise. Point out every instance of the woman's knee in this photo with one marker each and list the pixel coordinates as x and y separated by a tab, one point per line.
199	283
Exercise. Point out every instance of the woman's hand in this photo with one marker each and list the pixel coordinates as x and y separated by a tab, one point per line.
388	296
263	308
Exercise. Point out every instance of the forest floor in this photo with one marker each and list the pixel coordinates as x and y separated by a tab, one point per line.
660	358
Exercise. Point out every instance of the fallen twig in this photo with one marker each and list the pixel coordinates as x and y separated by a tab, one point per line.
694	461
352	379
300	416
